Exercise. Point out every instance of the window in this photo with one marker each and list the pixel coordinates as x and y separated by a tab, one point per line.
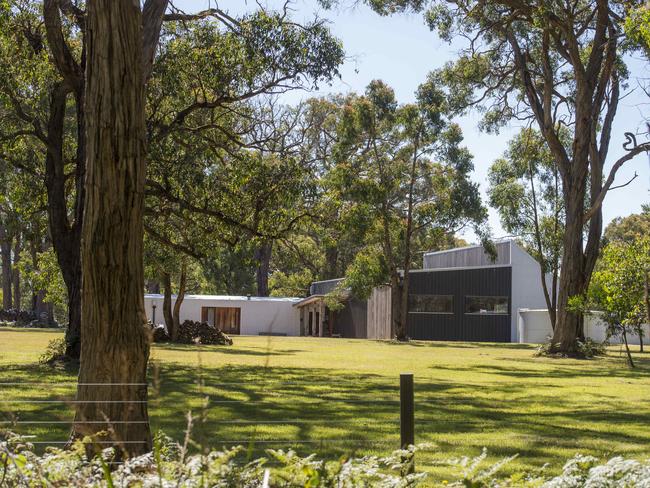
486	305
226	319
431	304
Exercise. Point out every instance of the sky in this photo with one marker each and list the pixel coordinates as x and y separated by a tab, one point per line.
401	51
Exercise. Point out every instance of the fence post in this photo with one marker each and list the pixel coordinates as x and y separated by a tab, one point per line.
407	413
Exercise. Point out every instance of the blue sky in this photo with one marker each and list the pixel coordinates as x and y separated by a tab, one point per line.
401	51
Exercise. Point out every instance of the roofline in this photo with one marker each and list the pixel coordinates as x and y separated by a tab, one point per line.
327	281
458	268
309	299
456	249
226	297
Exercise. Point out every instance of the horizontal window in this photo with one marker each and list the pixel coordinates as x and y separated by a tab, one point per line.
486	305
431	304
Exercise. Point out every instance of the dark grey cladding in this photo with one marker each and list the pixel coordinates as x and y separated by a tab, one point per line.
459	325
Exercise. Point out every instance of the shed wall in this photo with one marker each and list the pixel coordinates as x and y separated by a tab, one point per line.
535	327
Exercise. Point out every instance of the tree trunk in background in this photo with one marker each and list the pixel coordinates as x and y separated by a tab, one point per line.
18	247
39	307
263	258
66	237
396	307
112	388
167	303
153	287
176	319
331	258
5	249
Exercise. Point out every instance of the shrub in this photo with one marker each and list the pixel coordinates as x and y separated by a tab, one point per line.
168	466
587	349
55	351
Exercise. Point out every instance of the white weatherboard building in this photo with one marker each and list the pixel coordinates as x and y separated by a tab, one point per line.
234	314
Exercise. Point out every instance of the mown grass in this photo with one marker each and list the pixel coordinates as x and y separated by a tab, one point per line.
338	396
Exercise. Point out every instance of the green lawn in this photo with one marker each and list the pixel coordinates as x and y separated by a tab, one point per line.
336	396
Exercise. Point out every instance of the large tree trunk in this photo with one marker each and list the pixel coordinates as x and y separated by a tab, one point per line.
263	259
176	315
5	249
15	275
112	389
569	325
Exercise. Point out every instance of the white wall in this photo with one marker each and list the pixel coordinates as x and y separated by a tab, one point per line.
527	291
535	327
258	314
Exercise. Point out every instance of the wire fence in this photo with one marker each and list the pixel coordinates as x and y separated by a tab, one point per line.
329	418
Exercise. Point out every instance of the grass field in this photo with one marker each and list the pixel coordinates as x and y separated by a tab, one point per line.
335	396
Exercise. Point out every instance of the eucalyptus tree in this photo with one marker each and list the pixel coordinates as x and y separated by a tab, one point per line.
403	171
555	64
629	228
122	42
526	189
43	47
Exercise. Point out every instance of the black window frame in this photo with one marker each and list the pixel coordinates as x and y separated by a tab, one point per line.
451	308
466	305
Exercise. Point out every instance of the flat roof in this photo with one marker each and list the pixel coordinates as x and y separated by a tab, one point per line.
228	298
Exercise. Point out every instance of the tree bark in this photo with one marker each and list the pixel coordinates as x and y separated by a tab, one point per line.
5	249
167	304
646	299
112	389
569	326
177	304
331	259
15	275
263	259
66	236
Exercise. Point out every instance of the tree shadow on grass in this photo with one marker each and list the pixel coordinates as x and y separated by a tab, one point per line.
607	367
335	414
228	350
461	345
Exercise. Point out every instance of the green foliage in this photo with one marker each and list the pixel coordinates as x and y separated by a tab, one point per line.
45	275
526	189
587	349
54	351
618	286
637	26
167	465
630	228
401	175
366	271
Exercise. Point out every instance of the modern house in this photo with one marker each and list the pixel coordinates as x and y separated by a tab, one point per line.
460	295
234	314
464	295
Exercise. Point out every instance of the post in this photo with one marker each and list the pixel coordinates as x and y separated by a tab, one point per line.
407	414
